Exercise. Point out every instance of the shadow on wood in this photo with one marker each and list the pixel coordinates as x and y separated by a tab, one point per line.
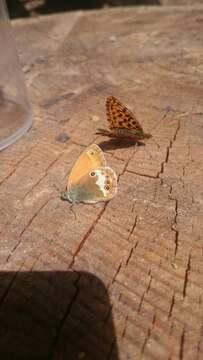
113	144
55	315
18	8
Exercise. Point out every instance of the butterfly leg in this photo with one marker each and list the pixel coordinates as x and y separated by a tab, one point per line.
104	132
71	209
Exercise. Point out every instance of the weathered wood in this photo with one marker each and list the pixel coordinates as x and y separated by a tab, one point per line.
123	280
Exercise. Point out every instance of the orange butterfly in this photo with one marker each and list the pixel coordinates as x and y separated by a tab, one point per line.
122	122
90	180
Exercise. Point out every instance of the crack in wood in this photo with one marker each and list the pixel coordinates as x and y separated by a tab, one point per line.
130	254
141	301
171	307
187	271
141	174
182	342
129	236
113	346
17	165
114	277
25	228
125	326
174	220
3	297
150	281
63	320
126	165
149	331
145	342
133	227
173	227
88	233
200	340
169	147
42	178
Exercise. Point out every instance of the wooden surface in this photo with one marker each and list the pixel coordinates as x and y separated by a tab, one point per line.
123	280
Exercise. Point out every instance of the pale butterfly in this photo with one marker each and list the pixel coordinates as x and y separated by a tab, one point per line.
122	122
90	180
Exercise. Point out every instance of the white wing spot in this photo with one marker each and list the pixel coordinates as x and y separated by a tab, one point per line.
101	182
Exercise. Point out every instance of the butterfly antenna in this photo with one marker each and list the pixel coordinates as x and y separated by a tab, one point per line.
164	115
158	146
56	187
71	209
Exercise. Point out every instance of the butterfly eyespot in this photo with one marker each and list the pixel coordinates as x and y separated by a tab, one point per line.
91	152
106	187
92	173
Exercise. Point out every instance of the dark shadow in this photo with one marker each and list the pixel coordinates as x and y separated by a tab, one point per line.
17	8
1	96
51	6
132	2
55	6
55	316
113	144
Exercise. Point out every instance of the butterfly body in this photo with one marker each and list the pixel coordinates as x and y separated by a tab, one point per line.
122	122
90	180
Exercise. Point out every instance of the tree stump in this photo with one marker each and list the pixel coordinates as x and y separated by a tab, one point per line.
124	279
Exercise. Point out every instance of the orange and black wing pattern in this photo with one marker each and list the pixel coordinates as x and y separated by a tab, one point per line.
120	117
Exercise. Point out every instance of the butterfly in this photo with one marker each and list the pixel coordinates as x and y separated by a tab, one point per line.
90	180
122	122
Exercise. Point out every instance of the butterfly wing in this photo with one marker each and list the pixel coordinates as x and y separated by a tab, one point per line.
119	116
90	180
92	157
99	184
